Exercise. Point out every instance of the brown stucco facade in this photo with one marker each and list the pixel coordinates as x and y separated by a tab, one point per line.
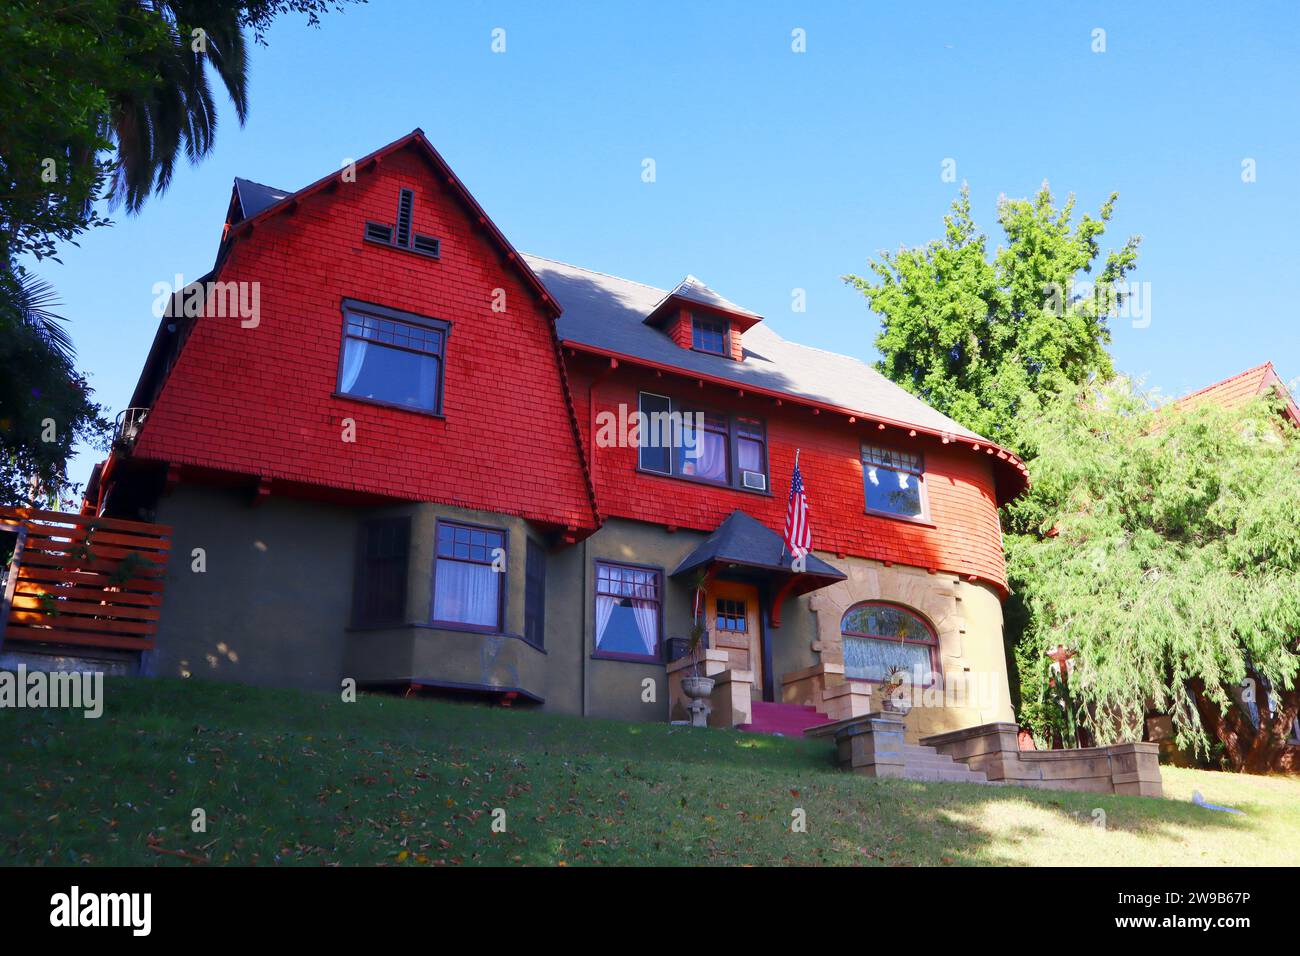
262	594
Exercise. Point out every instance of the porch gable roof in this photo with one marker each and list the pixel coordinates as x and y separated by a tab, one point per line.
745	541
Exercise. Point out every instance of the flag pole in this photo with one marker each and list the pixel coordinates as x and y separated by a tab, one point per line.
796	468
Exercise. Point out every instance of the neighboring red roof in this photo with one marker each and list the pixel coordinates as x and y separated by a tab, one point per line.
1236	391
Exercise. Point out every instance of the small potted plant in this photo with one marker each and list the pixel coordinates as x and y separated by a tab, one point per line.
695	685
893	698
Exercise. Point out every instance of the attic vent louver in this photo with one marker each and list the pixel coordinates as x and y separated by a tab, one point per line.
404	217
426	244
400	236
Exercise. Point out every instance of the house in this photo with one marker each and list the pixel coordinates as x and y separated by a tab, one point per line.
427	462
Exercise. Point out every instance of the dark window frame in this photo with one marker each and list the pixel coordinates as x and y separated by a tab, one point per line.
932	642
535	602
596	652
502	591
923	491
733	421
357	307
363	574
719	326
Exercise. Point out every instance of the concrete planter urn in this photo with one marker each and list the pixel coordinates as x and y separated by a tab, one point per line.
697	688
896	705
895	699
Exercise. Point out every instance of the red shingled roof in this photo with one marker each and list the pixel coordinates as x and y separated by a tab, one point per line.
1241	388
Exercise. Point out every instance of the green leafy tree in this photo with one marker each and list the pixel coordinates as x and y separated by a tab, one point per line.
986	340
1159	545
45	404
101	98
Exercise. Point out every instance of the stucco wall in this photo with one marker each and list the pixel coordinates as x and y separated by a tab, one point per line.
614	687
273	607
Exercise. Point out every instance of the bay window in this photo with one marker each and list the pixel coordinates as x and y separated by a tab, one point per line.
469	576
379	585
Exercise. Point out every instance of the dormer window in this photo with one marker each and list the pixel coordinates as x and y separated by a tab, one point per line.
710	335
697	318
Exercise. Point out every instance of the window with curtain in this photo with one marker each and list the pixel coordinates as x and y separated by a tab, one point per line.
704	451
879	637
894	482
392	357
628	610
467	591
686	442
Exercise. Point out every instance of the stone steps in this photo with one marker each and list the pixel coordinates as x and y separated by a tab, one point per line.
919	762
926	763
875	745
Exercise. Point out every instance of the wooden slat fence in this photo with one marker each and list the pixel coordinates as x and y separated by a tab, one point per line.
82	580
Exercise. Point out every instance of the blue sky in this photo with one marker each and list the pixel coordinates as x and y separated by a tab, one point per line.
779	170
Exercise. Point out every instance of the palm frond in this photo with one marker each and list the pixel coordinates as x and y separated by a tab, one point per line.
154	123
34	299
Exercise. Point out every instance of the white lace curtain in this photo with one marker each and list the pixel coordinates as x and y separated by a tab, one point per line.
466	593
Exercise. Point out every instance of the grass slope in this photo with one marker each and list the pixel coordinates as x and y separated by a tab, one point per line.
288	777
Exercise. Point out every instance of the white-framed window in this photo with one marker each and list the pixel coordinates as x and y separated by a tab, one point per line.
894	482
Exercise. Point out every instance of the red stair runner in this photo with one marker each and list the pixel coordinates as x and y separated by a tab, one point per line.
782	720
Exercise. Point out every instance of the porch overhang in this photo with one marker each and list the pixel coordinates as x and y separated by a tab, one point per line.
744	547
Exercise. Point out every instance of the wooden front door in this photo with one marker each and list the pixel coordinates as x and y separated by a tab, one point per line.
732	614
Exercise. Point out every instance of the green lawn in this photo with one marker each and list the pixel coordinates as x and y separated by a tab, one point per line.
288	777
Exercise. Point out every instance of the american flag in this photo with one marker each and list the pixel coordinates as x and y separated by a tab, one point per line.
798	533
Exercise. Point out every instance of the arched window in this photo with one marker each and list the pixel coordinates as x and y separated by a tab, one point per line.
879	637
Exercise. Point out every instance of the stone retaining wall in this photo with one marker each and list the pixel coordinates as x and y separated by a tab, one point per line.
993	748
